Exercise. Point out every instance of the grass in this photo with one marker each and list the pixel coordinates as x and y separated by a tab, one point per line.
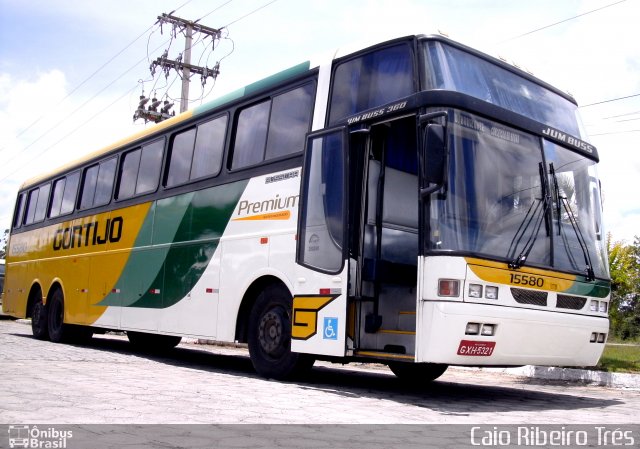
621	359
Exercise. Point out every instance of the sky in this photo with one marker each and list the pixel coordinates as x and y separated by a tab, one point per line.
71	71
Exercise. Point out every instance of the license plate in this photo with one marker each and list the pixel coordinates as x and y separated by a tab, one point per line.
476	348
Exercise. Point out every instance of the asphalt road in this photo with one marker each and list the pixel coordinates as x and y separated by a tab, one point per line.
107	382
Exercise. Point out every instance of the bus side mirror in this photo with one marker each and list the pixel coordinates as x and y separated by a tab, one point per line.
434	157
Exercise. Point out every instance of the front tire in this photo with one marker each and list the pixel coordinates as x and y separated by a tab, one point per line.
269	336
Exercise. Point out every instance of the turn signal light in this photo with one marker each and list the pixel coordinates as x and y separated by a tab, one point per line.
449	288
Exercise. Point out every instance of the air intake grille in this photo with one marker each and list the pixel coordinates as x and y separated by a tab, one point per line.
531	297
571	302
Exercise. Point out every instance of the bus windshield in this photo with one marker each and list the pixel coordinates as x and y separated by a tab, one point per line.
453	69
501	200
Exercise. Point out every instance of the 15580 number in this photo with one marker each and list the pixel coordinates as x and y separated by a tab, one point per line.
528	280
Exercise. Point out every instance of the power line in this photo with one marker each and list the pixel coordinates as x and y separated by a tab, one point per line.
616	132
562	21
609	100
213	10
254	11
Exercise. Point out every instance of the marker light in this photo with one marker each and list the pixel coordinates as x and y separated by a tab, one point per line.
601	338
449	287
475	291
594	337
472	329
594	305
491	292
488	330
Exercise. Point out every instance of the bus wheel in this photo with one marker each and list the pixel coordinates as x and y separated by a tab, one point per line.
57	328
417	373
152	342
269	336
39	318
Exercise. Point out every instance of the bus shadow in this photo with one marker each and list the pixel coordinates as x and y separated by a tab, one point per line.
445	396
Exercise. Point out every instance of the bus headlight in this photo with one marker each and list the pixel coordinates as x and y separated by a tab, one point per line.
475	291
491	292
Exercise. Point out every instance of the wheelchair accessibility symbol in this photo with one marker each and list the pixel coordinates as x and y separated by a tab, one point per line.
330	328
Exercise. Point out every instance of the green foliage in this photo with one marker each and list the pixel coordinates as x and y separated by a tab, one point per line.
624	264
620	358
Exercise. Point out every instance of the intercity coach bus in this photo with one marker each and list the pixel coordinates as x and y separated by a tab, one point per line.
414	203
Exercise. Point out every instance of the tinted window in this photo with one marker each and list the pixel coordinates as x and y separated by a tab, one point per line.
289	123
64	195
150	164
104	184
371	80
89	186
70	191
31	206
251	135
17	218
181	154
43	198
56	198
207	155
129	174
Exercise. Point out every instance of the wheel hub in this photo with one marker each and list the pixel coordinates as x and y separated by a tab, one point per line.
270	331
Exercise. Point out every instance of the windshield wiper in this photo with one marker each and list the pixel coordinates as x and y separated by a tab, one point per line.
562	202
535	215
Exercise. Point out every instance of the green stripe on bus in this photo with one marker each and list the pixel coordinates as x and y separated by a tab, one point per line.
187	230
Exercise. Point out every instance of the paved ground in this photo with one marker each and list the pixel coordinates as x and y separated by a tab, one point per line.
107	382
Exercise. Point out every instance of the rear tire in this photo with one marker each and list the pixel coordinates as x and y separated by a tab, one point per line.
152	342
269	336
417	373
57	329
39	320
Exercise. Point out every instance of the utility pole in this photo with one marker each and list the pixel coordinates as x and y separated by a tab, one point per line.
182	65
183	62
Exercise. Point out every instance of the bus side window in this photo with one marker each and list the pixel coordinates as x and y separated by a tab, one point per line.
41	207
180	157
371	80
17	217
207	155
64	195
140	170
89	186
150	163
32	201
251	135
96	186
273	128
289	123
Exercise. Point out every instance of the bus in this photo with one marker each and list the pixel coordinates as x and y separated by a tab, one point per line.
415	203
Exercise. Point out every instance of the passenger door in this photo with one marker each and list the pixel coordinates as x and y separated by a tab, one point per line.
322	270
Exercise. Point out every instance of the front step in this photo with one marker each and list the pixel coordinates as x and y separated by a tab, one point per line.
383	355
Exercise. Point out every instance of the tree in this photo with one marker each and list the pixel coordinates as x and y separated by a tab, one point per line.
3	244
624	310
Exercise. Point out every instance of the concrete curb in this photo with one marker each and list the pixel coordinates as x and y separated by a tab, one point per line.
602	378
